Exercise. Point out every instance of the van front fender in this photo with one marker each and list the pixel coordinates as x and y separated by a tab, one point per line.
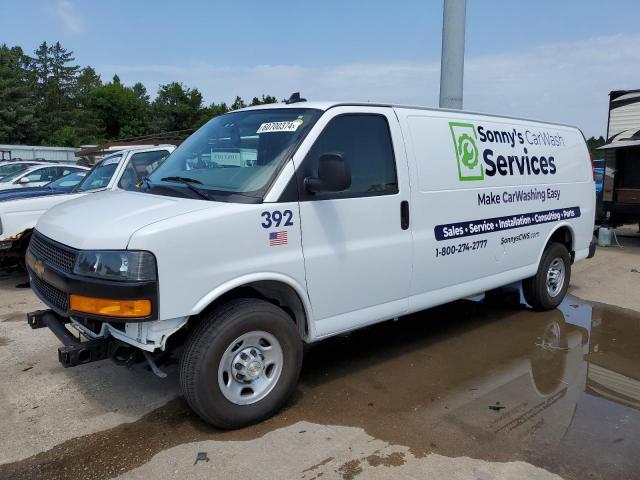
253	278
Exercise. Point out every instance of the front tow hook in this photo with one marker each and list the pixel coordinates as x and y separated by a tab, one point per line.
73	352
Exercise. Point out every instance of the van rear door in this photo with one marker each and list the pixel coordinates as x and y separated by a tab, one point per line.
357	251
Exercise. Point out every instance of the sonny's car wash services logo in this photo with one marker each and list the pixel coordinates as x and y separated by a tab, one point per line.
464	142
481	151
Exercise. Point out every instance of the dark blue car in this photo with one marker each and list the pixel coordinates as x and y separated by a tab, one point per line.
63	185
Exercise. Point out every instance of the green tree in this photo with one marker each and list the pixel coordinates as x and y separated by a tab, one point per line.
264	100
122	112
86	126
238	103
64	75
55	82
176	108
141	92
213	110
593	143
87	80
50	99
17	120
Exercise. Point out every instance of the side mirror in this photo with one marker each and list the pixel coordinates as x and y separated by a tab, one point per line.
24	180
334	175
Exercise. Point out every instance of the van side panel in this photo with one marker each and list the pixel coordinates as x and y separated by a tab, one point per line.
489	192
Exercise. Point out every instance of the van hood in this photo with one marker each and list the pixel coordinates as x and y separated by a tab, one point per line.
107	220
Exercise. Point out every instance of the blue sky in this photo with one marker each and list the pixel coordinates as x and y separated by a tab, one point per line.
554	60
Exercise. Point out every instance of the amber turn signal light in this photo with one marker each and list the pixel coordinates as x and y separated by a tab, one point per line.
111	308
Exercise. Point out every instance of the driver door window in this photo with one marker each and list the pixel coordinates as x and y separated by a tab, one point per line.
364	142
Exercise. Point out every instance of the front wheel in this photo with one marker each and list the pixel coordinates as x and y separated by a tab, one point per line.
241	363
547	288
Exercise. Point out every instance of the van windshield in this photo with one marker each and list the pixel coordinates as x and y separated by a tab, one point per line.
233	157
100	175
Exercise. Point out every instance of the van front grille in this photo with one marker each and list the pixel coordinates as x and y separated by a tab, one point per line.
51	252
48	293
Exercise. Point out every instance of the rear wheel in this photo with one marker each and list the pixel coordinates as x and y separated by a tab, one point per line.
241	363
548	287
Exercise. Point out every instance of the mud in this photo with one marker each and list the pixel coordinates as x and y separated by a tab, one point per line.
4	341
569	382
394	459
349	470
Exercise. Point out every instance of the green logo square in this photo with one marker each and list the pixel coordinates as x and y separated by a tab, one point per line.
464	143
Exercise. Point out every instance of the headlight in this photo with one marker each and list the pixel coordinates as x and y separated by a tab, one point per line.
116	265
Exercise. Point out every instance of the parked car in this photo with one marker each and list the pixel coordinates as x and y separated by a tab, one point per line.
63	185
19	214
278	225
37	175
13	167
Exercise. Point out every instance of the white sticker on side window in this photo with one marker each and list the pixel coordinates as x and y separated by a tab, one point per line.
280	126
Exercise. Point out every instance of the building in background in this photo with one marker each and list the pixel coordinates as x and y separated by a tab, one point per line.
620	195
30	152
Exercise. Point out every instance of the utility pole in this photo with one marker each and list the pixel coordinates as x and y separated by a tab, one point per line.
452	60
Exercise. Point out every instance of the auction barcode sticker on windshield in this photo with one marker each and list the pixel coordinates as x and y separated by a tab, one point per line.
291	126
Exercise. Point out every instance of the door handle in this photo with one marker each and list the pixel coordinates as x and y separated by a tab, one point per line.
404	215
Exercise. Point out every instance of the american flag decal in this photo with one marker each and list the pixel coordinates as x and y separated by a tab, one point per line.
278	238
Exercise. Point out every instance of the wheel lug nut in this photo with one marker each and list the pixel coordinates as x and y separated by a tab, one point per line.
238	366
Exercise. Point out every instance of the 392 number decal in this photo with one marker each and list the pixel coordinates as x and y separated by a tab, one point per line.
277	218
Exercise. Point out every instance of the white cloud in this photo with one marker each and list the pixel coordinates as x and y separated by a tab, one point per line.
565	82
67	14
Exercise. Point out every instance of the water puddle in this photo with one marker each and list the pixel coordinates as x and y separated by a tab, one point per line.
487	379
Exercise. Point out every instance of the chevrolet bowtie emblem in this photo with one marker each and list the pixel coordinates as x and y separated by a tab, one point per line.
38	266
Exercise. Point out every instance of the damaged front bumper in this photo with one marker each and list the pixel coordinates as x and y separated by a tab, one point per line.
73	351
50	266
14	245
109	343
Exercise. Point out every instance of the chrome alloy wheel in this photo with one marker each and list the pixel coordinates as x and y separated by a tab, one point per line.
250	367
555	276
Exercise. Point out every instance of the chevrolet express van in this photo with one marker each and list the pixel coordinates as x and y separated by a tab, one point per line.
280	225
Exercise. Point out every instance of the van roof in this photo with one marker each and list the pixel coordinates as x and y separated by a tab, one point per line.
327	105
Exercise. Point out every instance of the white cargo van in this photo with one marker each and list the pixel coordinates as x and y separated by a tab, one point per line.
283	224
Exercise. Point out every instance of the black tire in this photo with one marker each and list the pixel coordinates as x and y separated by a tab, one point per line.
204	350
535	288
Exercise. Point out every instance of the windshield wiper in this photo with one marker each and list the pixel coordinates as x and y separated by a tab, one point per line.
188	182
181	179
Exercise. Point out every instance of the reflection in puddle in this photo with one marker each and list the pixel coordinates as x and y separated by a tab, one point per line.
485	378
